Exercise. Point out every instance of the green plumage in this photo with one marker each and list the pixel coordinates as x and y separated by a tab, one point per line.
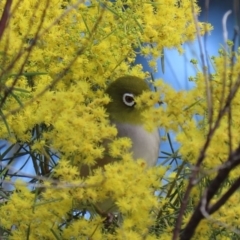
117	109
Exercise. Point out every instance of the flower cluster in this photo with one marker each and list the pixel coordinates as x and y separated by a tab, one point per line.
56	59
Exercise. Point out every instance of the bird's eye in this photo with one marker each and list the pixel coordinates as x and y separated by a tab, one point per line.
128	99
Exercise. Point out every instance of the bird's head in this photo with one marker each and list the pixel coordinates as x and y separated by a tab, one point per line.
123	93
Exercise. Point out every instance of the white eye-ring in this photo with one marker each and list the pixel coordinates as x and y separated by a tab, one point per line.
128	99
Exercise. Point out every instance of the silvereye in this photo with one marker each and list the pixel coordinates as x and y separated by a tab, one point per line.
127	117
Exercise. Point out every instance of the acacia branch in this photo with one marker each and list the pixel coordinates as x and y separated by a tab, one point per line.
232	162
5	17
196	169
225	197
9	90
59	77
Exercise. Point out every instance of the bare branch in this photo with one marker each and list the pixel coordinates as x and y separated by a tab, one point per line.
9	90
196	169
204	67
59	77
233	161
225	38
5	17
225	197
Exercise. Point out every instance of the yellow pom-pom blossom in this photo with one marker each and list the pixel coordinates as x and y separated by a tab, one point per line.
192	133
56	59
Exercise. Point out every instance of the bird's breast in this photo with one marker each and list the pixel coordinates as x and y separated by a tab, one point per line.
145	144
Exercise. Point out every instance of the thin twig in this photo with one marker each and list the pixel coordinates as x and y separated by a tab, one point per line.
225	38
10	89
5	17
56	184
192	180
204	67
225	197
234	161
59	77
196	169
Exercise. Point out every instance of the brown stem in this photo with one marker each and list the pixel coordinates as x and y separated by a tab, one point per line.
5	17
232	162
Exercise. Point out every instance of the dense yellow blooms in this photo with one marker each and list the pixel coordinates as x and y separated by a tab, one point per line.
187	114
58	56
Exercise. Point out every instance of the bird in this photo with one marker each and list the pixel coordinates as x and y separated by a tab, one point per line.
127	117
129	122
